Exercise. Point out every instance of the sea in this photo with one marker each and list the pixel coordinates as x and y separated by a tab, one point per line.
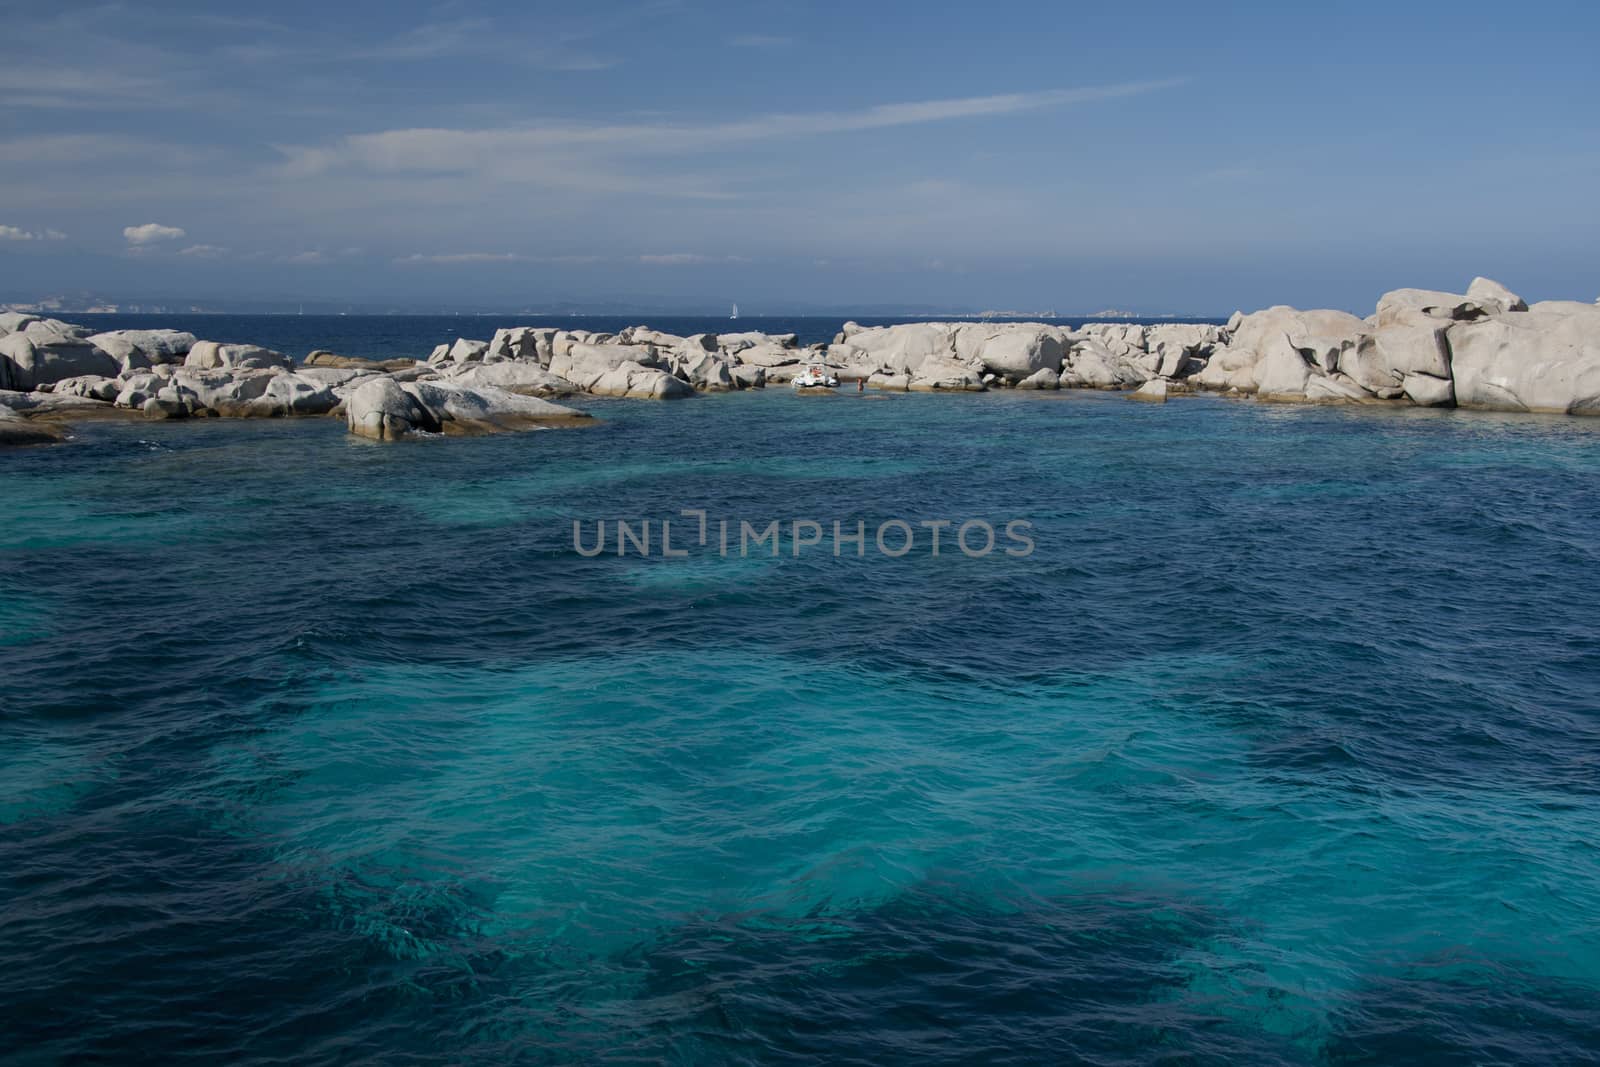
1277	743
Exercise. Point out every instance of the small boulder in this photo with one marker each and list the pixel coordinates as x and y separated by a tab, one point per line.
1152	392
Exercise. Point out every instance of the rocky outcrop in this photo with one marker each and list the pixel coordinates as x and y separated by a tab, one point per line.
1544	359
30	359
328	360
523	376
703	371
1485	348
1041	379
382	410
636	382
210	355
386	410
945	375
142	349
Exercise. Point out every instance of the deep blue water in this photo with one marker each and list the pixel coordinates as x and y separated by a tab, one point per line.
1282	747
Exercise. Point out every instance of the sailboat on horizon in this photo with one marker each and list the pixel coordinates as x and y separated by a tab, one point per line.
735	312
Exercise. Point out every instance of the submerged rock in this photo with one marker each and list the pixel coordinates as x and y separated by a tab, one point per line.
16	430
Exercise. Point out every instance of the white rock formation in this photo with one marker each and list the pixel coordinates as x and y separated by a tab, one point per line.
32	358
633	381
210	355
386	410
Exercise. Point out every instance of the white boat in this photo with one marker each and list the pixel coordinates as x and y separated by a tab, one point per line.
735	312
815	376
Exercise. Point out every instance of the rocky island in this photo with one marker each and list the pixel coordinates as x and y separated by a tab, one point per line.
1484	349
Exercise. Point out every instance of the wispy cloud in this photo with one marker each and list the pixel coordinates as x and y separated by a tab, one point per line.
463	257
15	233
430	41
685	259
508	150
203	252
152	232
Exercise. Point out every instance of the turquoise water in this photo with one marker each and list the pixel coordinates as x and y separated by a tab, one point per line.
1279	748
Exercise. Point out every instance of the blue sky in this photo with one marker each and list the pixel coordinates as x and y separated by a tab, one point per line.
1156	156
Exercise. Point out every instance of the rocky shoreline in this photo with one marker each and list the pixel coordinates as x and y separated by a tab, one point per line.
1483	349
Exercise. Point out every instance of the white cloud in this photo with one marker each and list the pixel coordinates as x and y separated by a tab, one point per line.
151	232
204	252
13	233
306	258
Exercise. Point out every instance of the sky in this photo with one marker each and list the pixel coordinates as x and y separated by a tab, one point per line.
1159	157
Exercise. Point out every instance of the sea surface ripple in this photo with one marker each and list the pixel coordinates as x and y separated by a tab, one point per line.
1282	747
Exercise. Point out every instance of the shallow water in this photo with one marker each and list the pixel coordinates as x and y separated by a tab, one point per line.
1281	746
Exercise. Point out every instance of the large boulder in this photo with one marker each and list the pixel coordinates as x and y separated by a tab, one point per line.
29	360
386	410
1014	351
765	355
631	380
1493	297
1044	378
223	391
583	364
1152	392
12	321
517	342
1176	345
1090	364
465	351
210	355
749	377
1320	339
1382	361
945	374
141	349
906	347
93	386
736	342
523	376
1407	306
1538	360
382	410
486	409
644	335
705	372
328	360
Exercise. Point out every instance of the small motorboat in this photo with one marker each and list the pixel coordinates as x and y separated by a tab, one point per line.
815	376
